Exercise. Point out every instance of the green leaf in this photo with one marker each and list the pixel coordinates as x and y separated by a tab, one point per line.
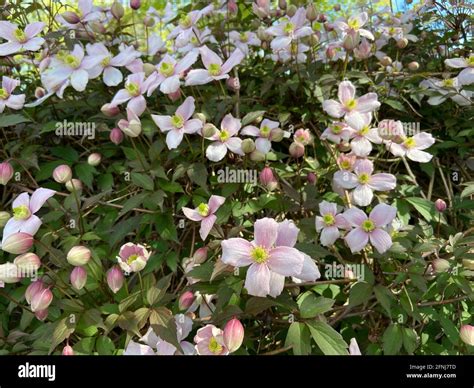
252	116
105	346
423	206
10	120
328	340
384	297
256	305
85	173
392	339
299	337
410	339
63	329
133	202
197	172
310	305
395	104
360	293
166	227
142	180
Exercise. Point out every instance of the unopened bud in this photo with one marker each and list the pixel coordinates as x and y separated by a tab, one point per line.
248	146
413	66
74	185
62	173
115	279
209	130
94	159
233	335
440	205
402	43
117	10
296	150
6	172
18	243
78	255
186	300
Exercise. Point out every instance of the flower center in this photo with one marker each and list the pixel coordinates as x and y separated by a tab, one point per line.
470	61
259	255
3	94
294	49
351	104
185	21
364	131
105	62
214	346
346	164
354	24
448	83
409	143
21	212
214	69
133	89
328	219
289	28
203	209
71	61
364	178
336	129
368	225
132	258
177	121
20	35
224	135
244	37
167	69
265	131
194	40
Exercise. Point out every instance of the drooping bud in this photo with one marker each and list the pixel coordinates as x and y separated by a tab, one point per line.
282	4
386	61
115	279
466	333
18	243
135	4
440	205
148	68
257	156
117	10
41	315
39	92
186	300
41	300
233	83
32	289
296	150
28	262
74	185
413	66
440	265
200	116
78	255
233	335
311	13
278	134
200	256
6	172
62	173
148	21
94	159
402	43
291	10
116	136
71	17
4	217
68	351
248	146
175	96
110	110
311	178
78	278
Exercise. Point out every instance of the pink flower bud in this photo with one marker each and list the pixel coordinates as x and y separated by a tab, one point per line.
135	4
117	10
74	185
200	256
466	333
233	83
28	262
266	176
71	17
232	6
233	335
110	110
78	255
6	172
39	92
115	279
296	150
440	265
32	289
41	315
62	173
68	351
186	300
94	159
175	95
41	300
78	278
18	243
116	136
440	205
311	178
413	66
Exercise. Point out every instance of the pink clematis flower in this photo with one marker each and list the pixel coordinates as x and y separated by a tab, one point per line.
370	228
363	134
210	341
205	213
267	131
242	40
132	257
466	76
24	207
225	139
12	101
109	62
186	27
289	30
178	124
329	223
364	182
19	39
354	24
131	126
264	256
337	132
215	69
169	72
135	87
412	147
348	105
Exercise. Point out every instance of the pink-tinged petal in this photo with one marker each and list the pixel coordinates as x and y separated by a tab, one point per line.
235	145
136	349
235	58
303	31
79	80
34	29
230	124
31	225
366	34
383	182
367	103
310	271
209	57
354	216
15	101
216	151
329	235
299	18
39	197
354	348
346	91
78	52
112	76
423	140
363	195
7	30
265	232
263	145
192	214
137	105
466	77
396	149
198	77
286	261
359	121
345	179
456	63
333	108
287	234
9	48
373	136
163	122
164	348
250	130
121	97
22	200
280	43
319	223
381	240
364	166
356	239
188	348
215	202
383	214
419	156
12	226
186	109
326	207
257	281
170	85
277	283
192	126
361	146
9	84
236	252
174	138
206	225
341	222
185	63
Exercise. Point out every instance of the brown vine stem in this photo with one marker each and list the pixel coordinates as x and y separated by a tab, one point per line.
277	351
321	282
442	302
412	176
4	294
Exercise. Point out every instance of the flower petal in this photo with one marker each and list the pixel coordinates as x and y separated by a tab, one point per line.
381	240
286	261
383	214
236	252
39	197
357	239
206	225
257	281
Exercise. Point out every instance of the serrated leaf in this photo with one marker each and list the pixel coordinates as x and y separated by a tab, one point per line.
142	180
